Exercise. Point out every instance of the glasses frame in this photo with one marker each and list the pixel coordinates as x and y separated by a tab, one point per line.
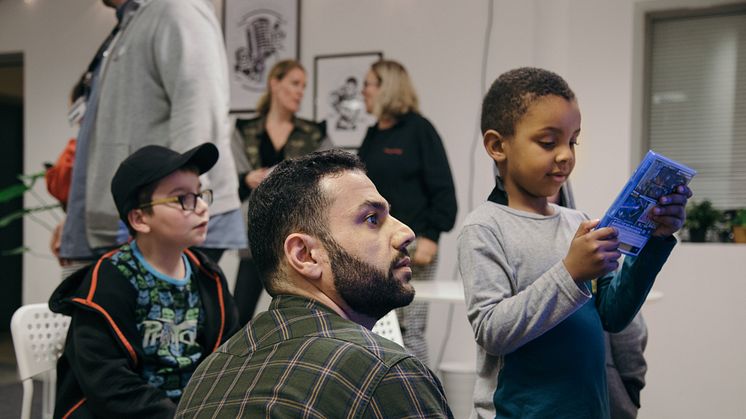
180	199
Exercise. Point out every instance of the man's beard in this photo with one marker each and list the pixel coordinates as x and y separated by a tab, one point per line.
365	288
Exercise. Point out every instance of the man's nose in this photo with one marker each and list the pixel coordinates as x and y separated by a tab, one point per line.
403	236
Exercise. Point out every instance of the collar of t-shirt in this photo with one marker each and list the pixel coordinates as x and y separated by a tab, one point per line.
175	281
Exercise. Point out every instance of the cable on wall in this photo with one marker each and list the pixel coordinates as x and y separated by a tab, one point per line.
476	137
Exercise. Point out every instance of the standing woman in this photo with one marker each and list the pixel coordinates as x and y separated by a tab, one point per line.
259	144
406	161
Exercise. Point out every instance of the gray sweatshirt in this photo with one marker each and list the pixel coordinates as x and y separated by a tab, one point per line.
164	81
517	290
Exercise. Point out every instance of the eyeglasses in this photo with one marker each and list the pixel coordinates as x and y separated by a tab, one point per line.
188	201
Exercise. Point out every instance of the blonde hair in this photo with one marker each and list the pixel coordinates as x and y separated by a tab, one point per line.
396	94
278	72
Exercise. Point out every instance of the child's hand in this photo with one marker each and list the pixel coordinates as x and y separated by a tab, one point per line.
670	212
592	253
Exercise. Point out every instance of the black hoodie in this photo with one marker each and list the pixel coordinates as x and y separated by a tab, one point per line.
102	302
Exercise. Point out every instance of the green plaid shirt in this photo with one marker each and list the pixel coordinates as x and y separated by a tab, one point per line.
301	359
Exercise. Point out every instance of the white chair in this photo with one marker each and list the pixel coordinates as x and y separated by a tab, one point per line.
388	327
38	339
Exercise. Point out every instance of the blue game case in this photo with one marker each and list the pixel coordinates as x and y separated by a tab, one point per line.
656	176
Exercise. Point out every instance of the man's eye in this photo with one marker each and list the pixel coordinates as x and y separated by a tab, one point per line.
372	218
547	144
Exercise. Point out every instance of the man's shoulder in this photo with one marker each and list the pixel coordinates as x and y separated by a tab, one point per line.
313	346
354	343
365	343
173	11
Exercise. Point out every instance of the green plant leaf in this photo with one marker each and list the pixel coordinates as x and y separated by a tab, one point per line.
13	252
33	177
20	213
12	192
740	218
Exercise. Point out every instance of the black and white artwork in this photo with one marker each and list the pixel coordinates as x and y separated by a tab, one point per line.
258	33
338	98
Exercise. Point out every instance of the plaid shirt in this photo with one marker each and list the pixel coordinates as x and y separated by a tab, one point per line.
301	359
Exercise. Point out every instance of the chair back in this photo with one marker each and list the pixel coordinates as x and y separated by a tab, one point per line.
38	339
388	327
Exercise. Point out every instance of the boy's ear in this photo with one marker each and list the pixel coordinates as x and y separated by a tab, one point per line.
303	255
138	221
494	144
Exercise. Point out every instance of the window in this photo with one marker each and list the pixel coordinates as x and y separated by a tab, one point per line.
696	97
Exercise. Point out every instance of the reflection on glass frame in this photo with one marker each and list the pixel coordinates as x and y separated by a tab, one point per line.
338	99
258	33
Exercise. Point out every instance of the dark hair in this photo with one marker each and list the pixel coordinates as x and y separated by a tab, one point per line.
513	92
290	200
145	194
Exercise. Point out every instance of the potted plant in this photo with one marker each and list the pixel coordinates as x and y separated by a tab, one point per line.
700	218
738	224
17	191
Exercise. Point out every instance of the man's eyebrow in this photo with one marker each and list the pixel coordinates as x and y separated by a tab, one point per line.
377	205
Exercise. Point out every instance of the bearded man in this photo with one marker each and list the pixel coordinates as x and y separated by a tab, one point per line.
334	261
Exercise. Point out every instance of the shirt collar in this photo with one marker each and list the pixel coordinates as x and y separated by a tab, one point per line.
294	301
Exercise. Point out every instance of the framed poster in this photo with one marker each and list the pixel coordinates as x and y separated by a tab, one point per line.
258	33
338	99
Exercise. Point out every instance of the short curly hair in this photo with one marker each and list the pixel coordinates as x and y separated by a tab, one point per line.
513	92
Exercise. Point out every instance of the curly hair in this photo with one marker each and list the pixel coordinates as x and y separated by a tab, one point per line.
513	92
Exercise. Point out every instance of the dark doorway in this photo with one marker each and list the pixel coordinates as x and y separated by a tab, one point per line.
11	164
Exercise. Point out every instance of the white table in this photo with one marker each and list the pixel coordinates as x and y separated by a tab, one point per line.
444	291
453	292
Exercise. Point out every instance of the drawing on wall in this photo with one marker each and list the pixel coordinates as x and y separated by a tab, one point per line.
337	96
258	33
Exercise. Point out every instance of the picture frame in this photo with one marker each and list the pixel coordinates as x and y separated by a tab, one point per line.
337	96
258	33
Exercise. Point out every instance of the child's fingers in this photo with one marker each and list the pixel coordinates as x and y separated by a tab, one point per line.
669	211
605	233
680	195
586	227
684	190
673	222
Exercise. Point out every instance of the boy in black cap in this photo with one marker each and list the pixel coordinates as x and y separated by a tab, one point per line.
146	314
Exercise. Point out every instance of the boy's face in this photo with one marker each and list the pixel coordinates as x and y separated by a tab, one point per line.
538	158
169	223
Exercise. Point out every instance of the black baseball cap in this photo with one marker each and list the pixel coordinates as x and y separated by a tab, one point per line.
152	163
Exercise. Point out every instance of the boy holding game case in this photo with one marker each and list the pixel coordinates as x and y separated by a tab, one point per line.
529	267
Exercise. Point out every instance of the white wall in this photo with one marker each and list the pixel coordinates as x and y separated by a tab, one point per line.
596	45
57	39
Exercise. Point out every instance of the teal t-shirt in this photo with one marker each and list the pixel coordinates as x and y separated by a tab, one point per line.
169	318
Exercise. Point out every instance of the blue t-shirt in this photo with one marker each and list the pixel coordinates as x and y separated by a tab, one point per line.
571	373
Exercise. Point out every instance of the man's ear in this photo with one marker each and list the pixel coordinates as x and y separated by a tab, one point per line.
494	144
303	255
138	220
